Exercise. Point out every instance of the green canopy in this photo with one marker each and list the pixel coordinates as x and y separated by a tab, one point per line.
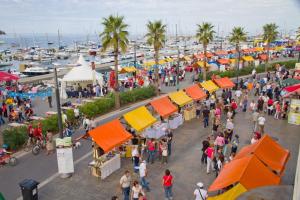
289	81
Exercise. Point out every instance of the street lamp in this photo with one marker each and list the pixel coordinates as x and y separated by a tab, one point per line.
59	116
64	155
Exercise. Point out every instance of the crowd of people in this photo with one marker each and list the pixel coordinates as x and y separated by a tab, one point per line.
258	95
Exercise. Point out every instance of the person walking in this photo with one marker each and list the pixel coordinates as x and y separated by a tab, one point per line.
50	101
255	116
151	151
261	123
200	193
125	182
210	156
135	158
143	173
1	117
49	142
277	110
169	140
136	190
164	152
205	145
205	116
167	183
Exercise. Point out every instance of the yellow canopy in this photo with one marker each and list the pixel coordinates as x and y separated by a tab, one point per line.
129	69
232	194
209	86
180	98
187	58
169	59
279	48
201	64
149	63
139	118
248	58
259	48
161	62
232	60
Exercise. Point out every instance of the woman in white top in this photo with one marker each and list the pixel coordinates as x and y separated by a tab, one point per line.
136	190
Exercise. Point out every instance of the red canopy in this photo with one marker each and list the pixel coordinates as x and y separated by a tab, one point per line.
292	88
5	76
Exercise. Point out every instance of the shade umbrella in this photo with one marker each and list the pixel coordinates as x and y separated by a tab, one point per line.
289	81
5	76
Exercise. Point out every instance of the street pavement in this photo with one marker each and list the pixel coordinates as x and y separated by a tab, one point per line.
184	164
41	167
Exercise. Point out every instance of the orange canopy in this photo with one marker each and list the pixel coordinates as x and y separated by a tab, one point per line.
221	53
263	56
223	61
195	92
248	171
268	151
110	135
233	51
246	50
224	82
163	106
201	55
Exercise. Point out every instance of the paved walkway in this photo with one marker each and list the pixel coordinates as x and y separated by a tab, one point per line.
184	164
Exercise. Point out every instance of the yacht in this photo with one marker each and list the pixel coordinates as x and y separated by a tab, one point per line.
5	64
35	71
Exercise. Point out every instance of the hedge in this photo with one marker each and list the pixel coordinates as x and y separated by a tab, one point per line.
16	137
248	70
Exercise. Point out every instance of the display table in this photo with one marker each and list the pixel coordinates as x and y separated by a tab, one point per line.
157	131
176	121
15	124
51	113
189	113
36	118
107	168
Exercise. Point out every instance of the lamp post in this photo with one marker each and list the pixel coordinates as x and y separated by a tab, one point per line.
178	62
60	126
64	155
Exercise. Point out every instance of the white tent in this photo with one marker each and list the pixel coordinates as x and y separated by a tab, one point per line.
82	73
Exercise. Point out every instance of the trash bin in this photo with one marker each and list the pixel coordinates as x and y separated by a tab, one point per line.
29	188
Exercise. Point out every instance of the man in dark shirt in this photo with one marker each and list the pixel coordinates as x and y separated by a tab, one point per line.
169	141
205	116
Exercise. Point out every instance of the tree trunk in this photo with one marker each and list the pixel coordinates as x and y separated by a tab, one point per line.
156	73
267	60
204	64
116	88
237	63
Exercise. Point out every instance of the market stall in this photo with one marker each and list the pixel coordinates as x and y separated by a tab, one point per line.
294	113
141	120
167	110
106	157
224	83
83	74
210	86
256	165
185	103
195	92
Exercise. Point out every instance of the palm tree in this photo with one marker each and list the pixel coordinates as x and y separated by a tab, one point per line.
205	34
156	36
237	36
270	34
115	36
